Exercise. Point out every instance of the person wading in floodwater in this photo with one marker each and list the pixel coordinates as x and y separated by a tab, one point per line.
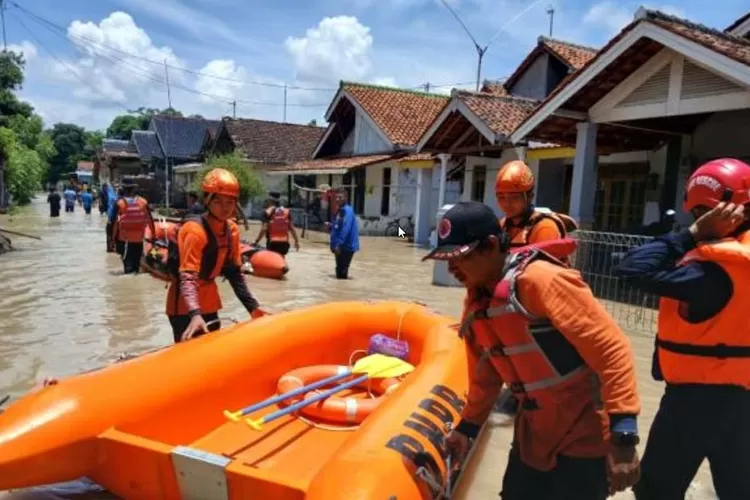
344	235
277	225
133	216
207	246
55	203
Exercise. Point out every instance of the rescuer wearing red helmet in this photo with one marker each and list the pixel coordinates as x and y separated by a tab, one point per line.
703	342
208	245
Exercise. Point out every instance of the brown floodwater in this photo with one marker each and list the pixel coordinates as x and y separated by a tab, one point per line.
65	306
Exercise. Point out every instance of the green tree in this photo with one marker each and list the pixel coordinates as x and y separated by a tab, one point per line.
94	140
250	184
70	145
122	126
24	147
313	122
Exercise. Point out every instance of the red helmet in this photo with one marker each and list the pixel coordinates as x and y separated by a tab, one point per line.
220	181
724	179
514	177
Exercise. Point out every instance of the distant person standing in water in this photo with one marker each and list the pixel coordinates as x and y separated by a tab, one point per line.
55	203
70	198
103	198
87	200
194	206
344	235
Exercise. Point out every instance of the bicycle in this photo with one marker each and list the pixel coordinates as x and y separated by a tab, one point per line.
404	223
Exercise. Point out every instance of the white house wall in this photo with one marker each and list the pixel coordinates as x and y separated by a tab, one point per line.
493	166
367	139
404	196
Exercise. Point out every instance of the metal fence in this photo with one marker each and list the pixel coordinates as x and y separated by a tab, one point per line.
597	253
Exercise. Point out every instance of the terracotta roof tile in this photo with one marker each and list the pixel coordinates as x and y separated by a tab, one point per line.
731	46
735	47
501	114
86	166
575	56
418	157
332	163
404	115
273	142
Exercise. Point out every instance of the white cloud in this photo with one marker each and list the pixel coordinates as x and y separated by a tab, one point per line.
25	48
337	49
614	16
229	84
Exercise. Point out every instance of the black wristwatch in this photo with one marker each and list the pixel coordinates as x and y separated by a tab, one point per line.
625	439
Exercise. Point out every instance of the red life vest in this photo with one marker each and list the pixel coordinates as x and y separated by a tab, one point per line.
278	225
132	220
555	387
715	351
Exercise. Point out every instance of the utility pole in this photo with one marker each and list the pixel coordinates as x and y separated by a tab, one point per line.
234	109
426	87
167	172
285	103
551	13
2	17
483	50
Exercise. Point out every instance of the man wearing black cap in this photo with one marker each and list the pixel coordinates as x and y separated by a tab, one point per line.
532	323
277	225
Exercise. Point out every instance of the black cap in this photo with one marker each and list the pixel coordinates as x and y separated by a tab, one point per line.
462	228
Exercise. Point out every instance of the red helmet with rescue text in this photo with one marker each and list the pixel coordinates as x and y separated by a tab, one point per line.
724	179
220	181
514	177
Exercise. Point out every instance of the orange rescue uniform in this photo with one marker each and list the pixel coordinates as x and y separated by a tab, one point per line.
545	335
536	228
278	224
192	241
132	220
716	351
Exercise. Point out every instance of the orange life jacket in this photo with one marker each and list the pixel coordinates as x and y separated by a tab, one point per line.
557	391
715	351
132	219
564	223
278	224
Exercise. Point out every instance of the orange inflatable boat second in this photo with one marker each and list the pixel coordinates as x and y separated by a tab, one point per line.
262	263
172	438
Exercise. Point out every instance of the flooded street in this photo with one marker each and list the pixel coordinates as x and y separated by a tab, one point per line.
65	308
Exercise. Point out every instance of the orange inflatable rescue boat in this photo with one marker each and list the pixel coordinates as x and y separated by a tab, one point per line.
258	261
181	435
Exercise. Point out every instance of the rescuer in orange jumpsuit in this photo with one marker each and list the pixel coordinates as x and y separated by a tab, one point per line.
703	339
209	245
514	189
133	216
277	225
531	322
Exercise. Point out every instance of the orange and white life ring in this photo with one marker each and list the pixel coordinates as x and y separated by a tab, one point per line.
337	409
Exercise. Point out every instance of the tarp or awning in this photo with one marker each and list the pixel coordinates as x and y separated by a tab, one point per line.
328	165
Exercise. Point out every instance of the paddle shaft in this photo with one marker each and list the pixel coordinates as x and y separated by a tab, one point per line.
295	392
16	233
314	399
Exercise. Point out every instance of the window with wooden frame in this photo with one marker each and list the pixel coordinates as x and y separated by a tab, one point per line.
620	197
478	182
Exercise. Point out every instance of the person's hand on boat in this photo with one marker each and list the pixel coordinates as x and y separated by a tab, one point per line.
457	445
197	324
257	313
623	468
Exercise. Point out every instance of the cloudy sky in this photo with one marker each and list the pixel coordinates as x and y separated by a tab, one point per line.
89	61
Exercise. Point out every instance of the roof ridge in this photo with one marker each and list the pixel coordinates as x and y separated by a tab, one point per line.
345	83
546	39
186	118
275	122
654	14
507	98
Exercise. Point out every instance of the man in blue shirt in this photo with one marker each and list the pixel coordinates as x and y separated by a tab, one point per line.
344	235
70	198
87	200
112	218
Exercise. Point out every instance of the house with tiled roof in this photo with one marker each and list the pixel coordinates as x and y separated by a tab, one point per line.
672	90
115	159
474	127
369	149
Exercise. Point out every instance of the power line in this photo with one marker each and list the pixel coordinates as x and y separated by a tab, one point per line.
119	61
55	26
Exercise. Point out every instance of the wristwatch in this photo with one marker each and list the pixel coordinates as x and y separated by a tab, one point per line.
625	439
